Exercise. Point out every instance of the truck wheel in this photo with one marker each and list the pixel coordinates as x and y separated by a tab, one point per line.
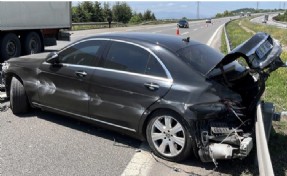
32	43
10	46
168	136
18	98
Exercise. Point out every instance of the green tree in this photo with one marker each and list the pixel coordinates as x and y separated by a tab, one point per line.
122	12
218	15
147	15
140	16
97	12
107	11
82	14
87	11
135	19
75	17
153	17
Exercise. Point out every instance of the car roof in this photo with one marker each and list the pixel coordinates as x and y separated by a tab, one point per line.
173	43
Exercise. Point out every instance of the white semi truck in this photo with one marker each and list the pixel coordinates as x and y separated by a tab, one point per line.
27	27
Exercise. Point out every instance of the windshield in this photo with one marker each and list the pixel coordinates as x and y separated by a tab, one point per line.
201	57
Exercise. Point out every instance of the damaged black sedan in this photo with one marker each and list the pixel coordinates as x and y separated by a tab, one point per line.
179	95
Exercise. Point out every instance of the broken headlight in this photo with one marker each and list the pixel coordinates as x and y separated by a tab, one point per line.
5	66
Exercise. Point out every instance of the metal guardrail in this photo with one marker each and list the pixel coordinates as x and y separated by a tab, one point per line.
105	24
96	23
227	40
93	25
263	156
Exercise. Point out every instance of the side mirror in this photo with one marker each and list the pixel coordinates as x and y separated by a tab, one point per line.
52	58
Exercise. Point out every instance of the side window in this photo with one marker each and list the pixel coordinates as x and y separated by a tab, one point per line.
127	57
154	68
84	53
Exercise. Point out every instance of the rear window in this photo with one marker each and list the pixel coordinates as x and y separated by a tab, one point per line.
200	57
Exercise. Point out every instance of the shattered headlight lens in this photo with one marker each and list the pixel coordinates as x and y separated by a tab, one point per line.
5	66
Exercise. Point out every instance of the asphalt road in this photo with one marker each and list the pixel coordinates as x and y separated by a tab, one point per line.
42	143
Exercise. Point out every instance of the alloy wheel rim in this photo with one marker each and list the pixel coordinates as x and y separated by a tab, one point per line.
168	136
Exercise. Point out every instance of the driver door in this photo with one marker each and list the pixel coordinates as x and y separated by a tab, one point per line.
63	86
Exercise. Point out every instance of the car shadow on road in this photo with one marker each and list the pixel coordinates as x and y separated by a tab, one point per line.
234	167
119	139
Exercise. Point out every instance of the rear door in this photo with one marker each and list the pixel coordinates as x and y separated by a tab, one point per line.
131	79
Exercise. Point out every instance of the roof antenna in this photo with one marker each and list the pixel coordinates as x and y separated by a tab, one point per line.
186	40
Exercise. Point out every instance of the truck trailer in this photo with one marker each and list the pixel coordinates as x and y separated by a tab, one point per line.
27	27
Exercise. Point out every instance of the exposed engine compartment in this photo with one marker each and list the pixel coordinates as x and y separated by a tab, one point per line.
226	138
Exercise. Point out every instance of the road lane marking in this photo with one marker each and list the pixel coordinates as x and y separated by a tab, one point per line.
185	33
214	34
195	29
141	162
128	30
157	31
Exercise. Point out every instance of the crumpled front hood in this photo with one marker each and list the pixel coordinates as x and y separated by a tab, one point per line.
29	60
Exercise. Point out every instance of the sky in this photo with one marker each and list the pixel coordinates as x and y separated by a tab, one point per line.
188	9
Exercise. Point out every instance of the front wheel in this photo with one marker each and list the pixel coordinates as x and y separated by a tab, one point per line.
18	98
168	136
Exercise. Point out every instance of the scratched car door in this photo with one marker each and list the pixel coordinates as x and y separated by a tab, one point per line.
64	86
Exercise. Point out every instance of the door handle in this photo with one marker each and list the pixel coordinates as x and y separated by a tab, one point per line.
81	73
151	86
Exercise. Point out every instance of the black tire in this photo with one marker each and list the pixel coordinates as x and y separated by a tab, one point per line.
18	98
50	41
32	43
183	151
10	46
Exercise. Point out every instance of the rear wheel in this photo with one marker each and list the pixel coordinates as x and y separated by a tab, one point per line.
32	43
10	46
18	98
168	136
